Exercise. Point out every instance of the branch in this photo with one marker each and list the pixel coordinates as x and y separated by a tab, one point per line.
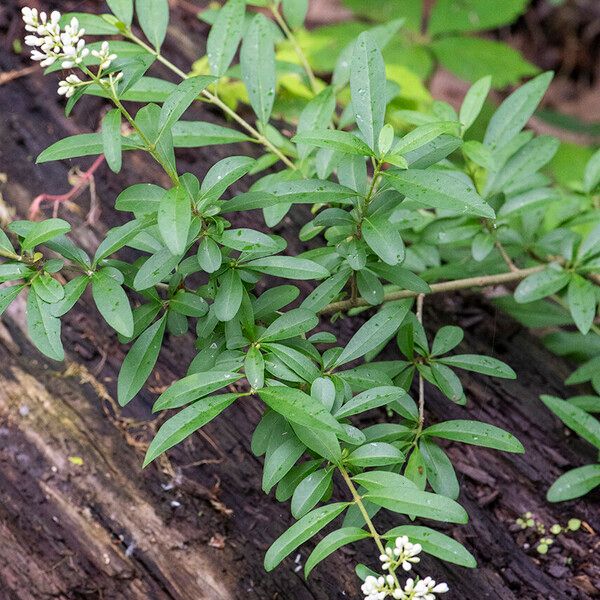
436	288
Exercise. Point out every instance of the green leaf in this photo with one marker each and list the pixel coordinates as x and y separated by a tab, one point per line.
48	288
193	387
229	295
43	327
225	35
72	292
414	502
312	191
582	302
341	141
174	218
332	542
112	302
153	16
140	361
43	231
317	114
515	111
574	483
480	364
448	382
93	24
591	175
471	58
375	454
448	16
111	139
280	460
222	174
368	88
83	144
155	269
209	255
306	528
375	332
476	433
291	324
188	304
310	491
140	198
440	472
435	543
587	426
376	480
257	61
249	240
118	237
294	12
298	407
254	368
289	267
197	134
446	338
185	422
180	99
369	399
473	102
122	9
541	284
383	238
421	136
440	190
8	294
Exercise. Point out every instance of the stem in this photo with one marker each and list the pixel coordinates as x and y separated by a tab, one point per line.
213	99
363	511
420	299
435	288
297	48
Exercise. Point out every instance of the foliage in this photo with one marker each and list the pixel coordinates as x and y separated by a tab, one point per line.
393	218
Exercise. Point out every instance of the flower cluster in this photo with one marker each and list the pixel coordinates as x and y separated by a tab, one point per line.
404	554
379	588
50	43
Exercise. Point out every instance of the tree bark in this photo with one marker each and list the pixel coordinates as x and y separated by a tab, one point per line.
80	519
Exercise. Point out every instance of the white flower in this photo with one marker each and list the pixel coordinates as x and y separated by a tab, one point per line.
403	554
427	589
104	55
68	86
374	588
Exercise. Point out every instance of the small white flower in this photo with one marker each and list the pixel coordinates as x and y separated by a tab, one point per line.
68	86
104	55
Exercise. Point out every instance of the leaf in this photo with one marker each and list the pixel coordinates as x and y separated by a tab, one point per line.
440	472
249	240
194	387
48	288
225	35
312	191
254	368
582	302
111	300
368	88
471	58
341	141
291	324
421	136
541	284
118	237
383	238
140	361
122	9
310	491
376	331
111	139
317	114
574	483
289	267
515	111
140	198
229	295
43	231
440	190
294	12
174	218
448	382
369	399
298	407
155	269
332	542
446	339
185	422
197	134
153	16
43	327
375	454
257	61
473	102
325	292
480	364
222	174
280	460
8	294
72	292
476	433
209	255
591	175
306	528
414	502
582	423
435	543
180	99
